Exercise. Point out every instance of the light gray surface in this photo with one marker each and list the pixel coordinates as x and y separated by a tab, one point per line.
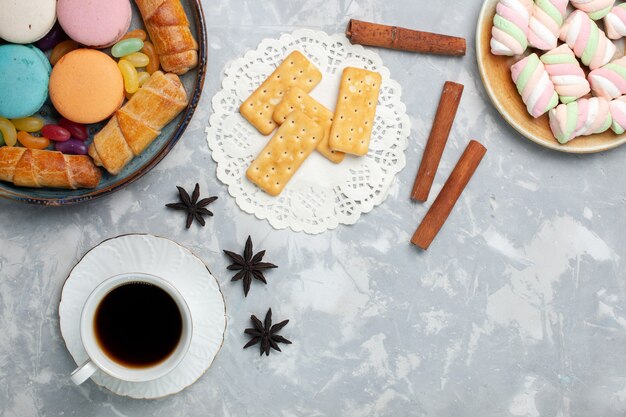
518	308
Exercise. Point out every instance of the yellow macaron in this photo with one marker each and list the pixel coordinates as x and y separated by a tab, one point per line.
86	86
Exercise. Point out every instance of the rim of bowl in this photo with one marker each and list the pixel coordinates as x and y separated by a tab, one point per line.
501	109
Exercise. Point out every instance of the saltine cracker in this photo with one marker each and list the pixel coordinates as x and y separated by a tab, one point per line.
355	111
292	143
297	98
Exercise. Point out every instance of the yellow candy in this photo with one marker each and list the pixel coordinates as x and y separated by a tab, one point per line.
33	142
138	59
28	124
131	78
143	78
8	132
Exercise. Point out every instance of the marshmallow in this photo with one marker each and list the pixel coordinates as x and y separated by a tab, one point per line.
565	73
615	22
509	34
588	42
545	23
534	85
580	118
618	113
609	82
596	9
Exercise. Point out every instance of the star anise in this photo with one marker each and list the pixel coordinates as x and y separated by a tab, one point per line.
248	266
265	334
195	209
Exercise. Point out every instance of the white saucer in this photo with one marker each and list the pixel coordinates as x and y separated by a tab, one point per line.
170	261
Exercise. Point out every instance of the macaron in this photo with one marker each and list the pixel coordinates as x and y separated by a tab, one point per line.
26	21
95	23
24	75
86	86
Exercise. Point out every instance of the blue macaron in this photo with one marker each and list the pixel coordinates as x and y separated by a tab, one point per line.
24	77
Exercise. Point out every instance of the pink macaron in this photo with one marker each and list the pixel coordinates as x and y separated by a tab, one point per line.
95	23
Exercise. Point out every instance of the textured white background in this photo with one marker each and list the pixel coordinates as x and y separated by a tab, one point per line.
517	309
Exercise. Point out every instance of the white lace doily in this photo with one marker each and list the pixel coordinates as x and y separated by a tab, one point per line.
321	195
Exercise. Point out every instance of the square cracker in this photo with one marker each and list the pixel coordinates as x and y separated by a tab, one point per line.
297	98
292	143
355	111
295	71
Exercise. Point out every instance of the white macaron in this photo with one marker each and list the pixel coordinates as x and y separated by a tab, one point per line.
26	21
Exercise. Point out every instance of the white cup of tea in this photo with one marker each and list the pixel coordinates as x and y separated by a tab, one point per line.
135	327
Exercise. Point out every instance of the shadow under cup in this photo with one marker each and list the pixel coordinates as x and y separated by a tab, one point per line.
136	327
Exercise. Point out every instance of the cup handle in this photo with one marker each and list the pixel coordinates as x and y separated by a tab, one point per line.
83	372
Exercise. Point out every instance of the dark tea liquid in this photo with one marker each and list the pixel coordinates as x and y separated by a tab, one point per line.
138	325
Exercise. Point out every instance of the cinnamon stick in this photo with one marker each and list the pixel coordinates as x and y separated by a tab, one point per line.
393	37
448	105
450	193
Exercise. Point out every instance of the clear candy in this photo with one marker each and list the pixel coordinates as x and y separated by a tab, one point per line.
52	39
143	78
138	59
28	124
72	147
126	47
77	131
150	51
34	142
55	133
61	49
131	78
137	33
